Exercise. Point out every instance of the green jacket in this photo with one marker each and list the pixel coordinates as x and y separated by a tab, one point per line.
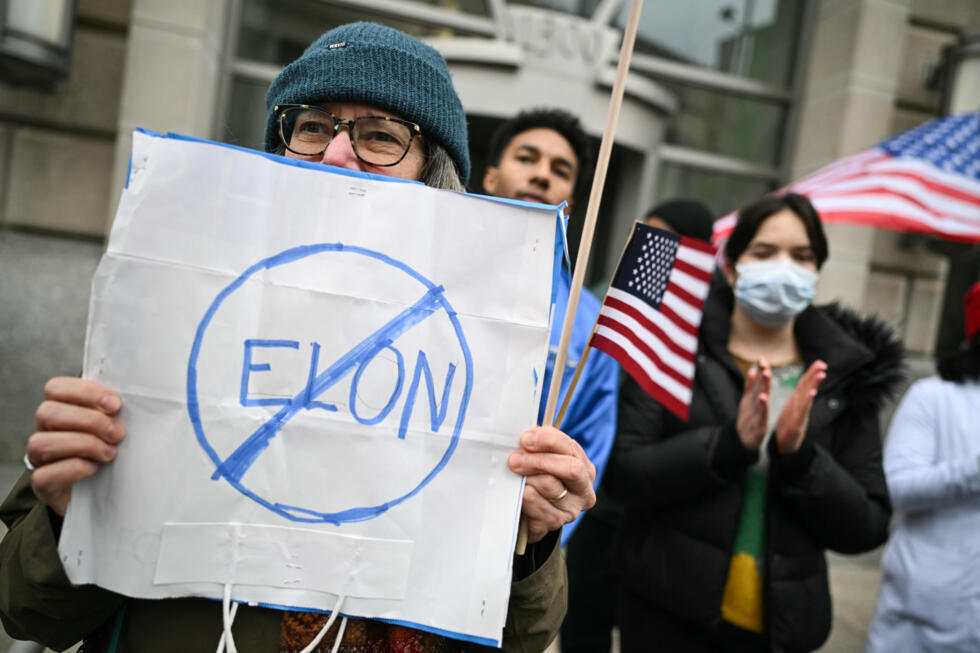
37	601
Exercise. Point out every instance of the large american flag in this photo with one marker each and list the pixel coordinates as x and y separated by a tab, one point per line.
650	317
925	180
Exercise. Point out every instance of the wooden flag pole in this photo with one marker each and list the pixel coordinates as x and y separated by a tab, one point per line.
588	347
571	386
591	214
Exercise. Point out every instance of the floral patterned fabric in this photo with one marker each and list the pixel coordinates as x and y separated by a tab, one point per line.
360	636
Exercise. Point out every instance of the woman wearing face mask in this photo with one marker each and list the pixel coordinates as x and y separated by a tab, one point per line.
729	513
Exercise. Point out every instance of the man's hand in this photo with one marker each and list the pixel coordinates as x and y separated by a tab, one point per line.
76	432
792	423
753	410
559	480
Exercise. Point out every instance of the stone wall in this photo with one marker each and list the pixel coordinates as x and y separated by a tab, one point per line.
44	290
155	64
56	158
866	80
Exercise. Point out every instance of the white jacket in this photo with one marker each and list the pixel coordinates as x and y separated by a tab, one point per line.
929	598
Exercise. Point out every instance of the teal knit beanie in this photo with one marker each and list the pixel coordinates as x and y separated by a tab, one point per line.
374	64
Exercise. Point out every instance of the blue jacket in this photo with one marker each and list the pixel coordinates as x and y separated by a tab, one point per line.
591	415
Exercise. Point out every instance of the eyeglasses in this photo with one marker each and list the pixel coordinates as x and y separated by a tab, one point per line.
376	140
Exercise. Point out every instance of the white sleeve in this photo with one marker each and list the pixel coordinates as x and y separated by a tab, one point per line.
916	480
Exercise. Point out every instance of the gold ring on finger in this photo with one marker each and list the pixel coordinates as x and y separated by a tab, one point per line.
559	497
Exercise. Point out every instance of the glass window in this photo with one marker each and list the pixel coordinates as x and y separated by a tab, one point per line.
748	38
743	128
583	8
277	31
245	120
721	192
475	7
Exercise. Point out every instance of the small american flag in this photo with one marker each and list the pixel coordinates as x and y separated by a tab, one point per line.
925	180
650	317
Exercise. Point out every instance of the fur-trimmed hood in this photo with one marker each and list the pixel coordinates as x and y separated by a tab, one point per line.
884	373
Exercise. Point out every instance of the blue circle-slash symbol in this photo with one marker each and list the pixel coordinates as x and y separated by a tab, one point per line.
355	360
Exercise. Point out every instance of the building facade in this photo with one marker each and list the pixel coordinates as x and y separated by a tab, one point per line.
727	99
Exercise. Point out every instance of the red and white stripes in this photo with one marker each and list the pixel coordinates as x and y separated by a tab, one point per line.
657	345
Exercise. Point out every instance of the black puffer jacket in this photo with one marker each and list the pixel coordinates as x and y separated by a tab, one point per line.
683	482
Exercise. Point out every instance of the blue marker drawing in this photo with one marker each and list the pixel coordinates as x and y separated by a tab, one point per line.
432	301
352	401
235	465
436	415
248	367
311	401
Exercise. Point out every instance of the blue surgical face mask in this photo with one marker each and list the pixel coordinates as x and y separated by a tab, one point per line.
774	292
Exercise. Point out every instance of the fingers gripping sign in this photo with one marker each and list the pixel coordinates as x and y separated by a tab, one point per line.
559	480
77	431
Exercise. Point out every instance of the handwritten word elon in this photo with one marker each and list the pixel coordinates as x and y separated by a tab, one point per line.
308	397
272	361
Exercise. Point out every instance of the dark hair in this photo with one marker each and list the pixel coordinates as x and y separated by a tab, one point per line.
559	120
963	365
753	215
687	217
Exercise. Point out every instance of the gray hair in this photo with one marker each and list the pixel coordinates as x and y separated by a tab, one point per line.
439	170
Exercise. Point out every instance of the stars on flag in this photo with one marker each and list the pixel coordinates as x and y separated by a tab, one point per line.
651	267
926	180
951	144
650	316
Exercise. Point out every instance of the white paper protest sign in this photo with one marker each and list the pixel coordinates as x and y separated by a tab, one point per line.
323	375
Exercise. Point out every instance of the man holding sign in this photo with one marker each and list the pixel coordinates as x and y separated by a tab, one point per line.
364	98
